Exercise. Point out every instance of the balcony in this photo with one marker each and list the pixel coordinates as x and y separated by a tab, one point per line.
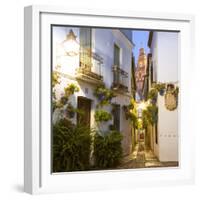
120	80
90	68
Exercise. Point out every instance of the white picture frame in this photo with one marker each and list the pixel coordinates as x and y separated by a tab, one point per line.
37	173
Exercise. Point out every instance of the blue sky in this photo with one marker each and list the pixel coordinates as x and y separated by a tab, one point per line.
140	39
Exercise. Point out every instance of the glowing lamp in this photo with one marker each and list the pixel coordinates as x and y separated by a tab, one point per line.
142	105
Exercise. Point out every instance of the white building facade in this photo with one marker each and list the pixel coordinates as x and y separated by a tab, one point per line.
108	62
164	62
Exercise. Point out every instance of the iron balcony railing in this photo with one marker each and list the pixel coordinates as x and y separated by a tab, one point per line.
120	79
90	65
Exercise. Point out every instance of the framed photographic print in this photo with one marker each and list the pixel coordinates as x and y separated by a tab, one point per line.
107	97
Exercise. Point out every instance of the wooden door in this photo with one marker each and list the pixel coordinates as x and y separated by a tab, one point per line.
84	105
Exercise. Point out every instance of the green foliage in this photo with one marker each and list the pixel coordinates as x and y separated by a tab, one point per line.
153	93
104	95
71	146
70	110
71	89
150	115
55	81
107	149
55	78
102	116
139	124
145	119
68	91
159	86
131	111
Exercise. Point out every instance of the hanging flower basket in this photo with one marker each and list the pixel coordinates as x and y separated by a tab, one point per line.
101	97
162	92
104	95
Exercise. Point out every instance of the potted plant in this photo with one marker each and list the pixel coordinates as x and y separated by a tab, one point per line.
104	95
71	89
102	116
160	88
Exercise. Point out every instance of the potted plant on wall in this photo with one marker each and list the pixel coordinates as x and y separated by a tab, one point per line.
104	95
160	88
102	116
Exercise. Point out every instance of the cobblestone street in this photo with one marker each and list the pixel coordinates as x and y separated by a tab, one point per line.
143	157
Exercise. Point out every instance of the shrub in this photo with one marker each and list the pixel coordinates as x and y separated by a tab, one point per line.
107	149
71	146
71	89
102	115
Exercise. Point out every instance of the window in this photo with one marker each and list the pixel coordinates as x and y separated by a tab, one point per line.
84	104
116	55
85	48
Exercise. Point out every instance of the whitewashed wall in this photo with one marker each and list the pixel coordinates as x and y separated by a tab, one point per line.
103	41
165	62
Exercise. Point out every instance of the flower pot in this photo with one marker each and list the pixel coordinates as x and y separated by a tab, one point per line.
161	92
101	97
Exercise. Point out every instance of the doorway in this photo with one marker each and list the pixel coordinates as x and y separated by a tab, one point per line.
84	105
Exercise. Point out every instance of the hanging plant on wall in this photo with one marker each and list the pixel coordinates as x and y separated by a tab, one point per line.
171	97
130	112
160	87
71	89
104	95
170	91
102	116
68	91
55	81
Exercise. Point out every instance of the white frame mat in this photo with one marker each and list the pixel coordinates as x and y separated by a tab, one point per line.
38	177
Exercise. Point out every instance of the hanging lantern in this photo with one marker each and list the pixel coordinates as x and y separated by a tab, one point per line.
70	44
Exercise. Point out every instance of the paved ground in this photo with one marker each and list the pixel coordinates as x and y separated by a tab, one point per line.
143	157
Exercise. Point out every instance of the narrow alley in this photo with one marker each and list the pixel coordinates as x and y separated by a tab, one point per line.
143	157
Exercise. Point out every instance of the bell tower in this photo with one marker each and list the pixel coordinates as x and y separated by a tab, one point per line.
141	71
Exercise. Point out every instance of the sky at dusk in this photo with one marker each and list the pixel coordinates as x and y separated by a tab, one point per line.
140	39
